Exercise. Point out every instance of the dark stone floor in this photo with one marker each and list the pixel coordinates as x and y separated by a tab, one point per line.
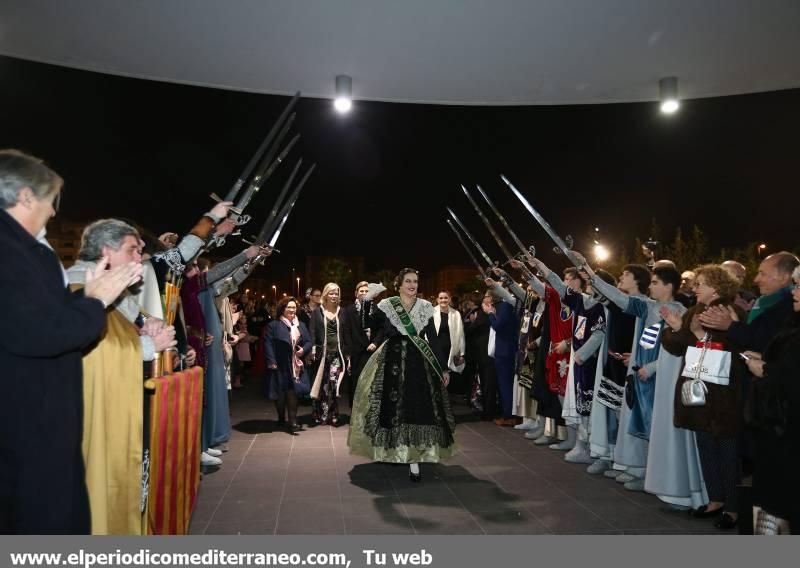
499	483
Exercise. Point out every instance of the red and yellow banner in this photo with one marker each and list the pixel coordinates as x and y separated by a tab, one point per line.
175	422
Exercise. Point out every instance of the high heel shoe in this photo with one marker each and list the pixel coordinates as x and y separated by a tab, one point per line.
415	477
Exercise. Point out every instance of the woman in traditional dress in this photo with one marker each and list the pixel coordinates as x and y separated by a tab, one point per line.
286	342
401	412
329	349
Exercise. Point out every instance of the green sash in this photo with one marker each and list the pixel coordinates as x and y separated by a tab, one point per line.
421	344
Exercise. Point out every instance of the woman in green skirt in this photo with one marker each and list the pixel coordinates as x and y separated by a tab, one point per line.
401	412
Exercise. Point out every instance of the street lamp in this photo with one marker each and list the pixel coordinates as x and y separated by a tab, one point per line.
298	286
760	249
601	253
275	292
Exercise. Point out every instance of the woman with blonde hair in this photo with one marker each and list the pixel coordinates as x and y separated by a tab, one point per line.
329	351
450	330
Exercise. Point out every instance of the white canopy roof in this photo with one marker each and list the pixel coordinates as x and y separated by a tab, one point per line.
496	52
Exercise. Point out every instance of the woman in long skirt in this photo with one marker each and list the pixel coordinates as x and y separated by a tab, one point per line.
401	412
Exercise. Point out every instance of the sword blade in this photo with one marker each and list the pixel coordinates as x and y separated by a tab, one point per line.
470	237
269	224
466	248
256	186
544	224
234	191
503	221
290	204
486	222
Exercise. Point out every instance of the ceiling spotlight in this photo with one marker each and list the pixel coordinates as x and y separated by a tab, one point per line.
668	89
344	93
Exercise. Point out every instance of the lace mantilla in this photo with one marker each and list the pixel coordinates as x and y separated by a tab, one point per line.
420	314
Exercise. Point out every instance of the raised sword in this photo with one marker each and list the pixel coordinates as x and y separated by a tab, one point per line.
486	222
561	245
269	224
525	252
267	170
284	214
234	191
466	248
482	252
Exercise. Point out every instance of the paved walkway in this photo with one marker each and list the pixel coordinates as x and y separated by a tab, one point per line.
500	483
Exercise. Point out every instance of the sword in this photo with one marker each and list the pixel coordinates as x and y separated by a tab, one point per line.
561	245
269	224
466	248
290	204
486	222
482	252
264	173
284	215
530	250
234	191
267	170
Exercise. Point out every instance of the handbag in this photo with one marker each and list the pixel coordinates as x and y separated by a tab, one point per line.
694	391
709	362
302	384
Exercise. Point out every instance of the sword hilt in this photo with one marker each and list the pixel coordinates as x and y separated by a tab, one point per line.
251	243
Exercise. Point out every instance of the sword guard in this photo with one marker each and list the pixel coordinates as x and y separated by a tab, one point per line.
532	250
569	241
557	250
242	219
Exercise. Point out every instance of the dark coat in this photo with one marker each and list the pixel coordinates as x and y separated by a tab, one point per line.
777	456
278	351
476	337
756	335
722	413
356	337
43	329
317	329
506	327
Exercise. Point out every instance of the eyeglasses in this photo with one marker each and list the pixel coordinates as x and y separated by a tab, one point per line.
794	287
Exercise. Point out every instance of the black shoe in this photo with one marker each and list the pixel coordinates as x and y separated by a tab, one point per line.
725	522
415	477
704	513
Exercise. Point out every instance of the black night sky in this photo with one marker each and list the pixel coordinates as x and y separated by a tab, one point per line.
153	152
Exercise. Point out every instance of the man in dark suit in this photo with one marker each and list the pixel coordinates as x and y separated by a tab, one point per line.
43	330
476	333
358	331
505	323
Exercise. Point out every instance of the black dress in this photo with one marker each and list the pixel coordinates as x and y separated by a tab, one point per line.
401	411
